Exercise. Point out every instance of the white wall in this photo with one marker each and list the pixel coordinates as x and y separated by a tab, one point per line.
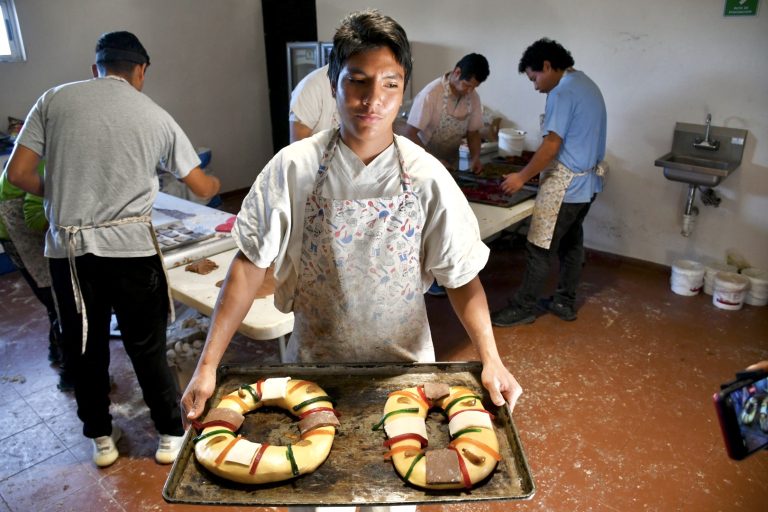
657	62
208	68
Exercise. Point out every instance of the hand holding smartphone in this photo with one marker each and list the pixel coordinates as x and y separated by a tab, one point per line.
742	407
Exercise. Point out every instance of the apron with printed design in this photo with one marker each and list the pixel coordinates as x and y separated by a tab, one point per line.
445	141
553	182
29	243
359	292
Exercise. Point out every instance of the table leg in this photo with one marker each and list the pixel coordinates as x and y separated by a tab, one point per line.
281	345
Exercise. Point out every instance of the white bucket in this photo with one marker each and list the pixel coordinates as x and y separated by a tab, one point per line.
730	289
687	277
757	295
711	270
511	142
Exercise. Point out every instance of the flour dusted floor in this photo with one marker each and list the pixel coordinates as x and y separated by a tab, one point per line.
616	415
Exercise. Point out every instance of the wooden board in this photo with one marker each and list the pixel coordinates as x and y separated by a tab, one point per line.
355	472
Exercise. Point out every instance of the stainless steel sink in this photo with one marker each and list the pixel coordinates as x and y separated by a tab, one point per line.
689	163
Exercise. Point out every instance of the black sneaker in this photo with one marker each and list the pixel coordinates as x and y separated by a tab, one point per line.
560	310
512	315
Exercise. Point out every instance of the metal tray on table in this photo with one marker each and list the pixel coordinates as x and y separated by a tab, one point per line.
355	472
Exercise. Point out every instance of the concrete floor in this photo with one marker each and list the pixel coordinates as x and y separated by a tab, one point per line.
617	412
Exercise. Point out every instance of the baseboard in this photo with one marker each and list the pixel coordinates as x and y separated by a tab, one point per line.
619	259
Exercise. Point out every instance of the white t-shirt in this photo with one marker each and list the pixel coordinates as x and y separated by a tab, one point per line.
269	227
428	106
312	102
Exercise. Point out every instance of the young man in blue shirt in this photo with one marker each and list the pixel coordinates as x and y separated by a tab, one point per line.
570	161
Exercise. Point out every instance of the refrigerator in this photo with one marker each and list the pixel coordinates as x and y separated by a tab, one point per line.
303	58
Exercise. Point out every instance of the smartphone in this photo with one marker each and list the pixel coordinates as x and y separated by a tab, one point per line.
742	407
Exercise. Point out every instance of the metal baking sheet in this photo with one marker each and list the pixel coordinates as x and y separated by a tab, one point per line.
355	472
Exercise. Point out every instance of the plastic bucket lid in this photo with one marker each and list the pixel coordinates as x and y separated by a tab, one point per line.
731	282
714	267
756	275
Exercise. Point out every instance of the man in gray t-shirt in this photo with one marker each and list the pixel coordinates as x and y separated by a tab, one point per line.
102	140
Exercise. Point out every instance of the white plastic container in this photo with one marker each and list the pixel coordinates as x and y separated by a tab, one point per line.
757	295
730	289
687	277
711	270
511	142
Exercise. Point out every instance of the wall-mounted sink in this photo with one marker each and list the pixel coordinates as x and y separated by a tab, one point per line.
703	155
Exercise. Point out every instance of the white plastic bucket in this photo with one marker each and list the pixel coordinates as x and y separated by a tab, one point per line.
711	270
511	142
730	289
757	295
687	277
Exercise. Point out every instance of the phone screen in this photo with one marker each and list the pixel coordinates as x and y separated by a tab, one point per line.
743	411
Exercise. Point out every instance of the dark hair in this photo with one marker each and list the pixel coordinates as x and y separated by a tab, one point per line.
545	49
367	30
474	66
119	52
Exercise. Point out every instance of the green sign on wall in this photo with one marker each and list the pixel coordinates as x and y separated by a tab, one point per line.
741	7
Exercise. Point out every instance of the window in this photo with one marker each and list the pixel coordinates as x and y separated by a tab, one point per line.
11	45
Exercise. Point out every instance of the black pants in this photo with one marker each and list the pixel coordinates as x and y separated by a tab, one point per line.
568	243
43	294
136	289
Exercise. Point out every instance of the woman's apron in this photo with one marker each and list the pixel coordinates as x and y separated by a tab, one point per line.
71	246
359	296
445	141
30	244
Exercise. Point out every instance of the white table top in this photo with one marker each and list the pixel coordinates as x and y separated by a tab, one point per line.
168	209
263	321
493	219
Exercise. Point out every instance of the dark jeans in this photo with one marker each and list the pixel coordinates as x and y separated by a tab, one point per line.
568	243
136	289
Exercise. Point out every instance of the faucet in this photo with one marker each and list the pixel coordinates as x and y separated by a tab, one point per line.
706	142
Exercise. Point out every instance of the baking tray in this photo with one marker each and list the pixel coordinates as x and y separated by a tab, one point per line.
355	472
487	190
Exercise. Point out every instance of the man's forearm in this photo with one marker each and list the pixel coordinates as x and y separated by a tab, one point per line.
474	142
234	301
548	150
22	170
471	306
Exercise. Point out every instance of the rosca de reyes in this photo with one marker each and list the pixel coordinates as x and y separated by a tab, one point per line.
472	453
222	452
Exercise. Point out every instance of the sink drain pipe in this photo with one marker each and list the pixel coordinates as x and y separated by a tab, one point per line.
708	197
689	216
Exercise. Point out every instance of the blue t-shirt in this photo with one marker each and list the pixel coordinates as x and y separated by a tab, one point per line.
575	111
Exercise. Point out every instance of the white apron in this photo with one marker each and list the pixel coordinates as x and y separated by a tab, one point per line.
445	141
78	293
359	292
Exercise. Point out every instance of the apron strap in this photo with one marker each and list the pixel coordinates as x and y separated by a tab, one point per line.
77	290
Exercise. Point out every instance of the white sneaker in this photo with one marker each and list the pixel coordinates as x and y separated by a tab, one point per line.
104	450
168	448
